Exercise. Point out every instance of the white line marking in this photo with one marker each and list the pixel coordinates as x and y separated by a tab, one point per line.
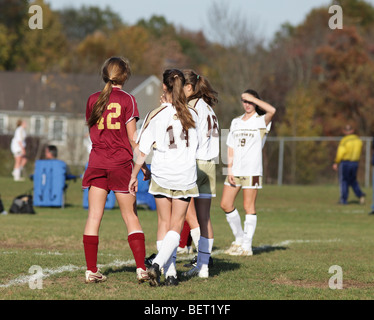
47	272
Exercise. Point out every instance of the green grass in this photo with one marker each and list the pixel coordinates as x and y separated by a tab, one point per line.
301	232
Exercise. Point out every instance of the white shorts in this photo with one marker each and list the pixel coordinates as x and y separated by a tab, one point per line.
155	189
206	178
249	182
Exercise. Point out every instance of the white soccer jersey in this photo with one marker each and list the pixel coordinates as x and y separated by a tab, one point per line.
246	138
174	150
19	138
208	129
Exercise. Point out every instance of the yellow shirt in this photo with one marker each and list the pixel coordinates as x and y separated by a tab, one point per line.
349	149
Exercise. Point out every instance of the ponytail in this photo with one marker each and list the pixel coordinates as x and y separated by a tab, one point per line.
201	88
174	82
115	71
100	105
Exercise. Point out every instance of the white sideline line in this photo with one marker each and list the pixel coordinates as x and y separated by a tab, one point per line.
288	242
47	272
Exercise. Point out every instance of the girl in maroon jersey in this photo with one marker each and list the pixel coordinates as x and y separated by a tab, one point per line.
111	116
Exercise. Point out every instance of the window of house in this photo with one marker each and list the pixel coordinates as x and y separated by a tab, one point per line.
37	125
58	129
3	124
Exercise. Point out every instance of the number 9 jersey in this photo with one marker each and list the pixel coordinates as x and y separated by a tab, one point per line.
174	149
247	138
111	147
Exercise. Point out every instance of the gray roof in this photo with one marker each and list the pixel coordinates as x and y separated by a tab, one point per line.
51	92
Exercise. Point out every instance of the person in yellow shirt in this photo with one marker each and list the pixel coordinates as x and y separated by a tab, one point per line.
346	163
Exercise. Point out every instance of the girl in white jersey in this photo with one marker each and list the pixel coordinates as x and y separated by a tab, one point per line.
245	141
18	148
202	97
170	131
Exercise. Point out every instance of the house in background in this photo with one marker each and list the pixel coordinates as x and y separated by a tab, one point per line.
54	106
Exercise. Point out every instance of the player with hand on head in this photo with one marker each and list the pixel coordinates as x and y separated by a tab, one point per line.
111	116
245	142
170	130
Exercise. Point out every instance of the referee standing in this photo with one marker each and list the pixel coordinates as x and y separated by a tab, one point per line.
346	163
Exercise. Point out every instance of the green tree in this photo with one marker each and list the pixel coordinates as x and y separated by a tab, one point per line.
79	23
6	40
13	15
158	26
301	120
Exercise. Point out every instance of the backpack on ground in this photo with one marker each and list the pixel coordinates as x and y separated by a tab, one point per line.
22	204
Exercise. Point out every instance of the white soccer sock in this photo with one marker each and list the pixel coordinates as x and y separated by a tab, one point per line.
233	218
195	235
169	244
205	250
158	245
17	174
249	230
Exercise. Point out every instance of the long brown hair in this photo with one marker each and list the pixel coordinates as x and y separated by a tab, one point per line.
201	88
115	71
174	81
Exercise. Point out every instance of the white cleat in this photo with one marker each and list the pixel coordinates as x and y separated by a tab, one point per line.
93	277
142	275
241	252
233	248
196	272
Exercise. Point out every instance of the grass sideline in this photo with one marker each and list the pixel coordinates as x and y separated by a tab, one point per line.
301	233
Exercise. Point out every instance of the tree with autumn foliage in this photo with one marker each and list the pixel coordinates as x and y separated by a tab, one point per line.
346	73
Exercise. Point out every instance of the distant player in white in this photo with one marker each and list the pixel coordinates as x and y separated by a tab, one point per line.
202	97
245	141
18	148
170	131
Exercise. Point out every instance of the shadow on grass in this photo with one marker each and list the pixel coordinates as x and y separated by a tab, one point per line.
219	266
112	270
266	249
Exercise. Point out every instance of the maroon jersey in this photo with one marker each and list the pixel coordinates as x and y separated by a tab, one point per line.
111	147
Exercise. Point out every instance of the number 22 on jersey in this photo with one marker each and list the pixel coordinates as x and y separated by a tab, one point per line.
112	122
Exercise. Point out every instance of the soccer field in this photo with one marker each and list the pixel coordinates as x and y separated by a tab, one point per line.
301	235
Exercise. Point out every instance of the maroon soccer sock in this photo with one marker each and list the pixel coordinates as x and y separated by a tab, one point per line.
91	245
137	245
185	235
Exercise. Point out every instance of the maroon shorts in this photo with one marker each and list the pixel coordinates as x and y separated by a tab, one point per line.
117	179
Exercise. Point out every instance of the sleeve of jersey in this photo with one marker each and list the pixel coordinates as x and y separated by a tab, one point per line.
132	111
230	138
152	135
266	131
146	138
